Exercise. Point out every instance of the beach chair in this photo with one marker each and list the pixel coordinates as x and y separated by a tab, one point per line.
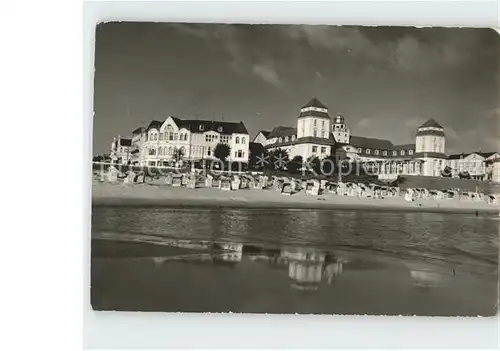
111	175
168	179
191	182
209	179
129	179
287	189
140	178
177	180
225	183
184	179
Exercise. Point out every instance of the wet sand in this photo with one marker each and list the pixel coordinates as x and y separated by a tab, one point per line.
107	194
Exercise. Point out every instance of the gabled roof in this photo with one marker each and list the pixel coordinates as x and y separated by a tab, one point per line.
403	147
154	124
125	142
371	143
265	133
314	103
458	156
282	131
487	154
138	130
431	123
199	125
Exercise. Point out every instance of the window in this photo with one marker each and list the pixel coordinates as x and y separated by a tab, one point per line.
323	149
286	139
161	136
384	153
315	134
219	129
225	139
201	127
240	153
368	151
280	140
376	152
394	153
155	136
293	137
315	122
243	140
160	151
175	136
402	153
170	136
323	123
238	140
152	163
152	152
410	152
359	150
209	150
315	149
146	137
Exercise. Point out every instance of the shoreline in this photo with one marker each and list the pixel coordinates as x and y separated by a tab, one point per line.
149	195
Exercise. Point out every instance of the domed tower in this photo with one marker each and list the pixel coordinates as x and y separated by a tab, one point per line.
340	130
430	147
313	120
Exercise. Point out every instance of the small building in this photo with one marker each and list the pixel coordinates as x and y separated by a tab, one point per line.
121	150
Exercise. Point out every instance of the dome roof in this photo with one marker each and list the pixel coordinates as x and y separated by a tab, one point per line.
314	103
431	123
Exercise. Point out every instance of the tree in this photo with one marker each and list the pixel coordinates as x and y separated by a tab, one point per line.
295	164
278	159
446	172
464	175
314	164
328	165
222	151
178	154
258	155
98	158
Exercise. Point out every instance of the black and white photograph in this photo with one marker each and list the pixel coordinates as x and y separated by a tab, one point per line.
295	169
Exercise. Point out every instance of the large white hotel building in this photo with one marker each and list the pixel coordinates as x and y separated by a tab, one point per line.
318	134
160	141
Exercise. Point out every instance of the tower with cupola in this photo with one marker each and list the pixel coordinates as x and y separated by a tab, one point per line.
430	148
340	131
313	120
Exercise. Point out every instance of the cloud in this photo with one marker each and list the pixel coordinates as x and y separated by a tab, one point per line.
267	72
410	50
364	123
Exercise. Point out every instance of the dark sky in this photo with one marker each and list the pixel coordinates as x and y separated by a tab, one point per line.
386	81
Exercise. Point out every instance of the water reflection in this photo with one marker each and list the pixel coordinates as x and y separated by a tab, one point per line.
276	260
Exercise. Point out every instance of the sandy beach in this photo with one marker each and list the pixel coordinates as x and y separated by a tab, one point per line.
107	194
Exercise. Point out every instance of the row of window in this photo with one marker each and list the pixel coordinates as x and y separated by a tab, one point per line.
166	136
315	122
223	139
169	151
315	149
384	152
164	151
286	139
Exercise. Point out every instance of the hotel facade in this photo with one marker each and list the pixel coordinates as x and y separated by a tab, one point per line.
317	134
175	140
